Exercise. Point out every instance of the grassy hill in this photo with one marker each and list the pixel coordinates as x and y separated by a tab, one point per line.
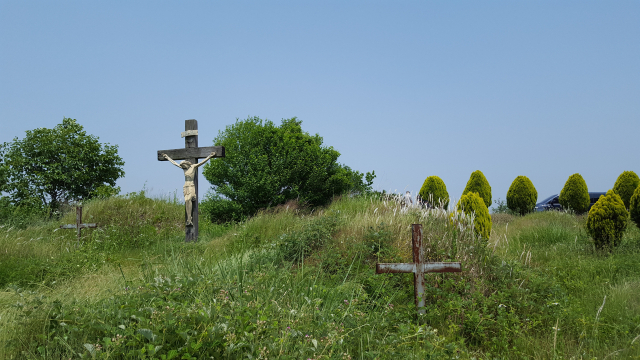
295	284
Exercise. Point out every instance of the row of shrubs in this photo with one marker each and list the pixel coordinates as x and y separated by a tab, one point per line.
606	222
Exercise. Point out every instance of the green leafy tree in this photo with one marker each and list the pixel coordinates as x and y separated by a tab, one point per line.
575	194
522	195
626	183
634	206
607	220
472	203
52	166
478	183
267	165
435	192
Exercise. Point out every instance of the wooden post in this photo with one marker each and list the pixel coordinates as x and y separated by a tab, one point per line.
191	141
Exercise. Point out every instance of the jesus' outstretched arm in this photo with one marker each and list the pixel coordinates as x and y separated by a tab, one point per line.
206	159
170	159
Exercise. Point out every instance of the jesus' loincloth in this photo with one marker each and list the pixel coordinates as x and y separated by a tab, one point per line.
189	191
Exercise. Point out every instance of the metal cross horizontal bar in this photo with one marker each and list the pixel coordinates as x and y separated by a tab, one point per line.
434	267
82	226
191	153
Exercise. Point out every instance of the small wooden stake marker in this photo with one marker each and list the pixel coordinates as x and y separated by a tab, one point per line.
78	225
418	267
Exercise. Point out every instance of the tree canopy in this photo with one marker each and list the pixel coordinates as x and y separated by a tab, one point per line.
51	166
267	165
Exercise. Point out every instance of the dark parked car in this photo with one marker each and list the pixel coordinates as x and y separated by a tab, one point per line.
552	203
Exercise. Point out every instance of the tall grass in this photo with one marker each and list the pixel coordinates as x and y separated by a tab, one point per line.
301	284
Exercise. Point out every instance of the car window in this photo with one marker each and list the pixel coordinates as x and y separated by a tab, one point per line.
547	200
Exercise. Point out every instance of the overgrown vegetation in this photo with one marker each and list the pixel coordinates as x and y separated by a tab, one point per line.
291	283
267	165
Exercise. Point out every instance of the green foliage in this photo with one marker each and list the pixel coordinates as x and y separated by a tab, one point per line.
297	245
267	165
607	220
634	206
471	202
221	210
522	195
435	192
478	183
575	195
58	165
164	299
625	185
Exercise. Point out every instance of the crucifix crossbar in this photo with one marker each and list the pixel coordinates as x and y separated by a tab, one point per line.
419	267
78	225
191	153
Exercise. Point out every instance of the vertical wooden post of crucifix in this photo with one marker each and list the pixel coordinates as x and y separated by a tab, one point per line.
191	141
191	153
419	267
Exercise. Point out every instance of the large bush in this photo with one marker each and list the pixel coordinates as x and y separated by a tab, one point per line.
473	203
267	165
575	195
634	206
626	183
478	183
607	220
522	195
435	192
57	165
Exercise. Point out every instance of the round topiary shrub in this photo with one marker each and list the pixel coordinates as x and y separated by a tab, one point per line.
626	183
522	195
478	183
607	220
435	192
575	195
473	203
634	206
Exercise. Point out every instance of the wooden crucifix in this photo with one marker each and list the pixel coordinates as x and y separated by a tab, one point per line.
190	155
419	267
78	225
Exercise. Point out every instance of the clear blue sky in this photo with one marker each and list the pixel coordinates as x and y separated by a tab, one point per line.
406	88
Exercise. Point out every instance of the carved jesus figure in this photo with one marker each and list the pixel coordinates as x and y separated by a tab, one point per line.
189	188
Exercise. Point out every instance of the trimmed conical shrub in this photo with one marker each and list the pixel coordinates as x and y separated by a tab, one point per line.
473	203
575	194
607	220
634	206
478	183
625	185
435	192
522	195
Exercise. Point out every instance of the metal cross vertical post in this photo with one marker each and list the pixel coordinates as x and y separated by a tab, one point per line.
418	259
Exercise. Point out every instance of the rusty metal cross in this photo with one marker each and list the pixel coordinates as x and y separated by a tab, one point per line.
78	225
419	267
